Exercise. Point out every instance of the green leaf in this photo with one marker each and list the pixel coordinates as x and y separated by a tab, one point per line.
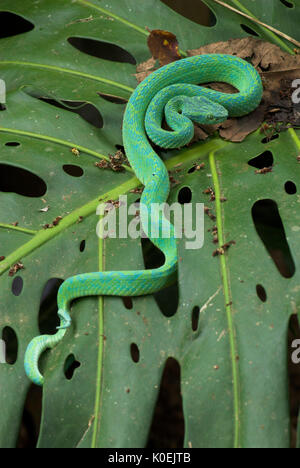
233	365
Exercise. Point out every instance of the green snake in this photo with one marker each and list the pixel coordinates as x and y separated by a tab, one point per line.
172	92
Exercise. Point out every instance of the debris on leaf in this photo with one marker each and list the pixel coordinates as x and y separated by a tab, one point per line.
198	167
54	223
215	235
14	269
221	250
45	210
103	164
82	20
208	212
57	221
112	204
80	219
75	151
137	190
115	163
264	170
210	191
15	224
172	179
2	258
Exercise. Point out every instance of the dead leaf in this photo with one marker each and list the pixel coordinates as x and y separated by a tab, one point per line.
144	69
277	68
163	46
237	129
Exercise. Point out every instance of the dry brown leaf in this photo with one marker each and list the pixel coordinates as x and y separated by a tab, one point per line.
144	69
163	46
278	69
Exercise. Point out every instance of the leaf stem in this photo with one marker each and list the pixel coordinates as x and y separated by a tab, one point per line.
227	297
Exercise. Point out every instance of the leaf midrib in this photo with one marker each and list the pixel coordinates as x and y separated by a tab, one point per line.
228	301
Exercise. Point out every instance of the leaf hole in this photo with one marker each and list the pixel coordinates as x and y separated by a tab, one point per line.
270	229
72	170
70	366
48	319
290	187
194	10
185	195
12	143
153	257
128	302
12	24
167	299
10	339
31	418
261	293
120	148
102	50
265	159
195	318
249	30
134	352
20	181
167	427
267	139
82	246
17	286
287	4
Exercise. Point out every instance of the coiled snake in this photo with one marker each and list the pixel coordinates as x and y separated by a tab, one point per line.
172	91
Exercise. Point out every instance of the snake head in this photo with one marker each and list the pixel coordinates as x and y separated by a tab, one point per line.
204	111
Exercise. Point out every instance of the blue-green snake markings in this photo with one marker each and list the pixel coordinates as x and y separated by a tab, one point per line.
173	91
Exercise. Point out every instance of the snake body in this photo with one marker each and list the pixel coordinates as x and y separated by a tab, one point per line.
173	91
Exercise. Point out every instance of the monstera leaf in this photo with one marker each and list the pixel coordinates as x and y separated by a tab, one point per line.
69	70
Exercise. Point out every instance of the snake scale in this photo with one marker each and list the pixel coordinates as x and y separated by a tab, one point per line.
172	91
